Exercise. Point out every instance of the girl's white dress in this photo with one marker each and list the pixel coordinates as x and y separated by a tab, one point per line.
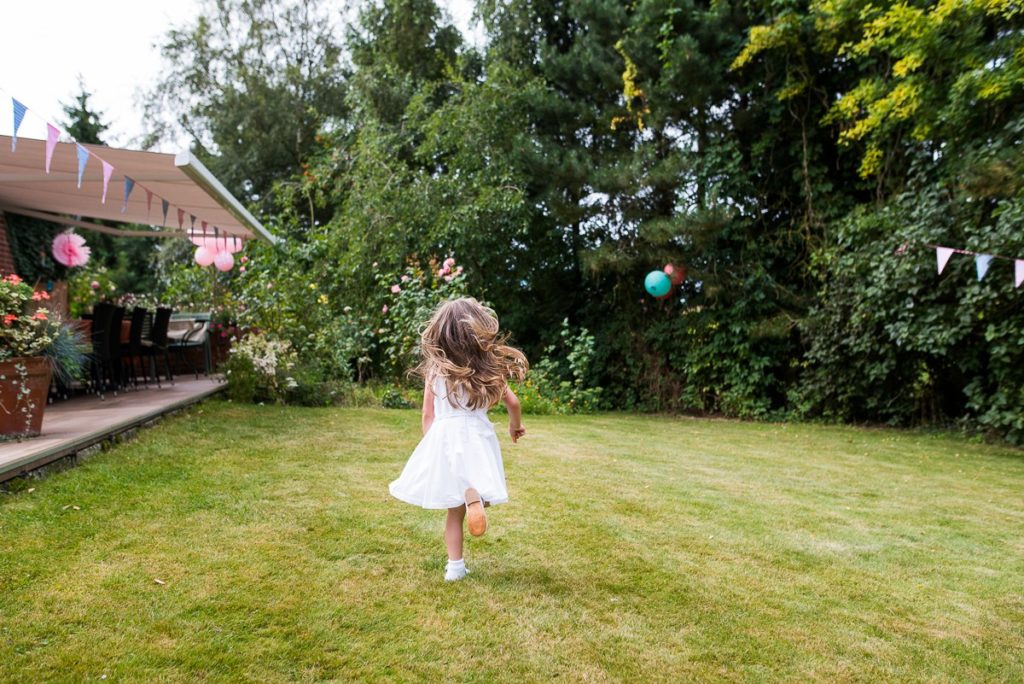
459	451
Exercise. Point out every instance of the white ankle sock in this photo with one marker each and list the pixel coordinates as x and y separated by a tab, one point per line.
456	570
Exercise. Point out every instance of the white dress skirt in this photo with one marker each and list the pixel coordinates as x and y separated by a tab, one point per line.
459	451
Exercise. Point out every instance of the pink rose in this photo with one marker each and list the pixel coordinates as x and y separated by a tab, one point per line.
448	278
405	279
241	269
458	271
449	262
440	273
384	309
244	259
95	284
395	289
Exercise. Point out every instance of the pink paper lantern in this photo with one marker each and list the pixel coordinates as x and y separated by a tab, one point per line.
69	249
224	261
203	256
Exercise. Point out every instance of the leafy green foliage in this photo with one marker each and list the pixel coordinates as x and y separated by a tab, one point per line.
563	380
781	152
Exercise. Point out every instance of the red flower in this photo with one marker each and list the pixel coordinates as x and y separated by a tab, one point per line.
40	296
13	278
9	318
39	315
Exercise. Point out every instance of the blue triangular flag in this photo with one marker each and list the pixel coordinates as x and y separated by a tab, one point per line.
982	261
83	158
19	115
166	207
129	185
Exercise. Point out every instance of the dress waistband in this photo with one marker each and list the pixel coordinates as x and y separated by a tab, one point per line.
451	416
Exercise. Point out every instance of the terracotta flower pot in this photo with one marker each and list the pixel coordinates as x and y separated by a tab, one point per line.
21	412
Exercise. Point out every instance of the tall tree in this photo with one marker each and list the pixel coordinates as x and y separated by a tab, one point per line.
252	82
83	123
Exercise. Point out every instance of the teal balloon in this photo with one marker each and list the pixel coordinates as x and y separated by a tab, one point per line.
657	283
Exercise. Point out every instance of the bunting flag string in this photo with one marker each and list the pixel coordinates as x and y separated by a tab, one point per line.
129	185
108	171
83	159
82	153
19	116
52	135
943	254
982	262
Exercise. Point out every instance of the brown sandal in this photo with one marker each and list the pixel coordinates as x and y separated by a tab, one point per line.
476	519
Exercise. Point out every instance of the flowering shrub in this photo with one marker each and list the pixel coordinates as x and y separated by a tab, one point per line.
263	368
410	298
87	286
131	300
561	381
25	330
258	368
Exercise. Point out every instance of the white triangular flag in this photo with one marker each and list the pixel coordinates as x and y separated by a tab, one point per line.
982	262
1018	272
942	255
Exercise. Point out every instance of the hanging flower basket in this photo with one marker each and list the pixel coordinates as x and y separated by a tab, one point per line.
24	384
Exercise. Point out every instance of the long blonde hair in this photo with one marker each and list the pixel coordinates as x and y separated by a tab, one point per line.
463	344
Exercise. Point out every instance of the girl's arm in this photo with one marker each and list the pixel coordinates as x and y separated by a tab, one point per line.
515	415
428	407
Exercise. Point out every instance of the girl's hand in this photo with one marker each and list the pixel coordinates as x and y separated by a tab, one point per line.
516	431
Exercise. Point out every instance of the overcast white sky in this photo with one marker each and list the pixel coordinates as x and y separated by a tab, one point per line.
44	47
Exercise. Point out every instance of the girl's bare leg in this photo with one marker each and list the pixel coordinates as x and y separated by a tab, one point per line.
453	532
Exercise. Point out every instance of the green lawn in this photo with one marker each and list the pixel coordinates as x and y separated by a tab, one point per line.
633	548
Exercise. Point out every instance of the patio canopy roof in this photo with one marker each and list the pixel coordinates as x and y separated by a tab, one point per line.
26	188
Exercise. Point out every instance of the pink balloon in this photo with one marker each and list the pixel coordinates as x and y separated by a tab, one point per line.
204	257
224	261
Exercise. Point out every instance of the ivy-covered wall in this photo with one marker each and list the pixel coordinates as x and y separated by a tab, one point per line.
6	257
29	240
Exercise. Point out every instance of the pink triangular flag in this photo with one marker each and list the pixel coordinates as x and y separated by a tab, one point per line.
1018	272
108	171
942	255
52	134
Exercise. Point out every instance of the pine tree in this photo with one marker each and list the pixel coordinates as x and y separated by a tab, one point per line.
82	122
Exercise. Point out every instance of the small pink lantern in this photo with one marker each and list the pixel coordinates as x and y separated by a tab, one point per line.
203	256
69	249
224	261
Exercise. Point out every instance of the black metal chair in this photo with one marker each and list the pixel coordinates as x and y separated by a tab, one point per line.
138	324
102	314
157	345
115	370
195	337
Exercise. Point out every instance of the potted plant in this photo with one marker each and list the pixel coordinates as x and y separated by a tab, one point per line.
34	345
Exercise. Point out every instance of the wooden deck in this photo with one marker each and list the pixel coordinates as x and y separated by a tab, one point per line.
84	423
